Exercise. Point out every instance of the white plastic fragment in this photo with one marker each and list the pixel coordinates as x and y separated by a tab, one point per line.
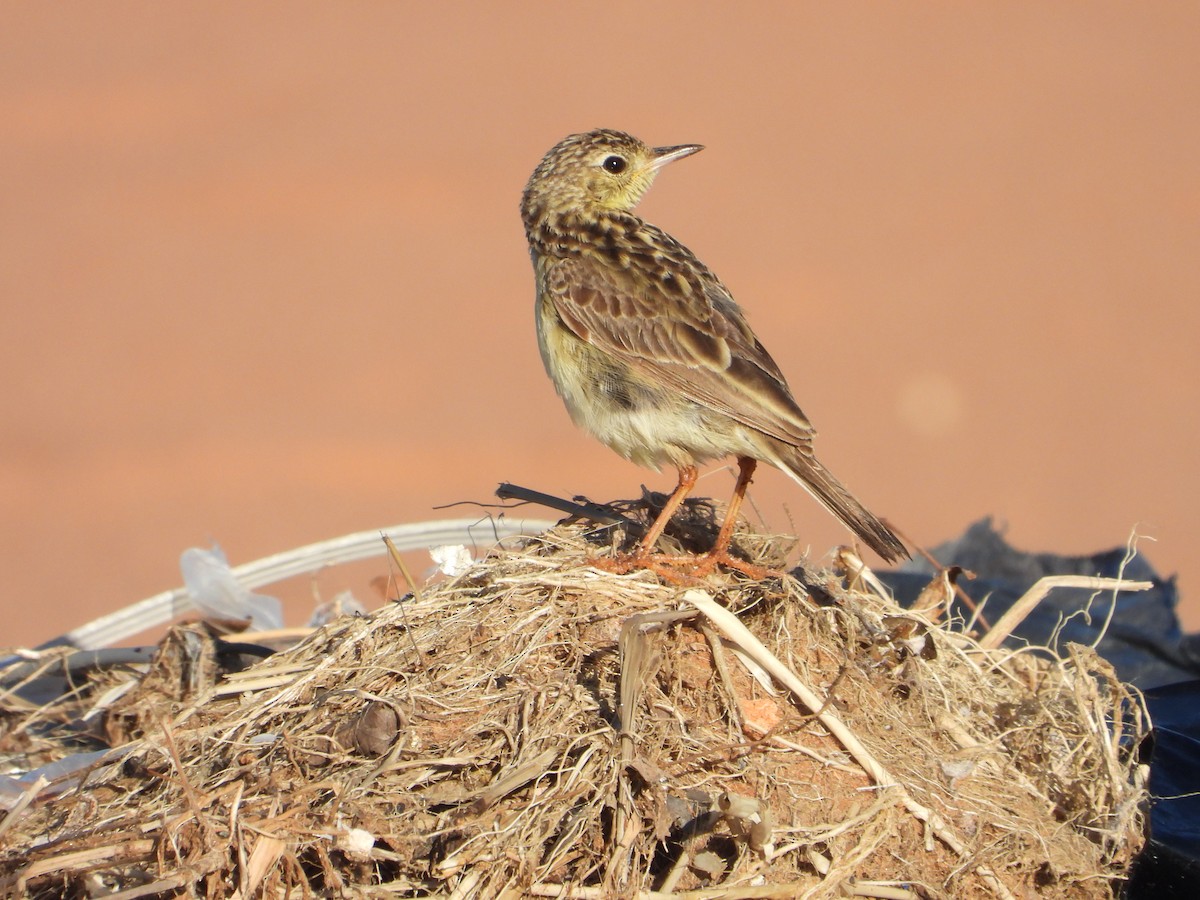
451	559
217	593
357	843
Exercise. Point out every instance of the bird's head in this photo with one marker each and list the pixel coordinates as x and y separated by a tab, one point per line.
595	171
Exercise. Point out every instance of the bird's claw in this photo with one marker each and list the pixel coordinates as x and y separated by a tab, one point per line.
682	569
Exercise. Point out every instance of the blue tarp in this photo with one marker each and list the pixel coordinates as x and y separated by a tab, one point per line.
1145	644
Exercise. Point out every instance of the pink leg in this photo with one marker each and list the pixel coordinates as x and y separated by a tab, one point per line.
746	467
688	569
687	481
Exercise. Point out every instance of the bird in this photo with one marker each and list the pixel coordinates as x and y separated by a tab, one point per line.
647	347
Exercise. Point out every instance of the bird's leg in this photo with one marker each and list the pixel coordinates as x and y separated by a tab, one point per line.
746	467
719	554
687	481
645	557
688	569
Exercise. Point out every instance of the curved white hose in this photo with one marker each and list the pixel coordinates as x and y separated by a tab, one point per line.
137	617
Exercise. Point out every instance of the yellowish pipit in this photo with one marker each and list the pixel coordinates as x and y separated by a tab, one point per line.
646	346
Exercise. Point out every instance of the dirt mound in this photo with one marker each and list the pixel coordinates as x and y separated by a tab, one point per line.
538	726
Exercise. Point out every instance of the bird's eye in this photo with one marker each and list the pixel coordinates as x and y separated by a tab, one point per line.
614	164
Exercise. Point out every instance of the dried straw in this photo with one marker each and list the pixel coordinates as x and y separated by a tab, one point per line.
540	727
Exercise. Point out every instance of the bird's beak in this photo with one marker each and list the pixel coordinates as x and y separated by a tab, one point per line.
664	155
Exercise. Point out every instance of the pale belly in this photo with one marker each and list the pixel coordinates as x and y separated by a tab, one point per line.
648	424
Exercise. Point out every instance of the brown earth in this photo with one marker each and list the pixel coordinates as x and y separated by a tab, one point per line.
262	278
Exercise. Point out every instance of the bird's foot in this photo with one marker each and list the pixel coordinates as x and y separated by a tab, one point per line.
682	569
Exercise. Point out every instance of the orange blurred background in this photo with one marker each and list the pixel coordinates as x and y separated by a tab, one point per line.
263	280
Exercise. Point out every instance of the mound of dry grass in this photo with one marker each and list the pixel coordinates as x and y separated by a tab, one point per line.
540	727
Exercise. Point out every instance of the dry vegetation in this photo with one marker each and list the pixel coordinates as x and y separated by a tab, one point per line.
539	727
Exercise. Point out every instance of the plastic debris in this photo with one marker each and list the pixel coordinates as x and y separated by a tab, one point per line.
217	593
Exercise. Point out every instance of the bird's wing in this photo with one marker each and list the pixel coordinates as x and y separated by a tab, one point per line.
672	320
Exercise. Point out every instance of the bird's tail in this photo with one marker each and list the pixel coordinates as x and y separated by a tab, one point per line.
801	465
